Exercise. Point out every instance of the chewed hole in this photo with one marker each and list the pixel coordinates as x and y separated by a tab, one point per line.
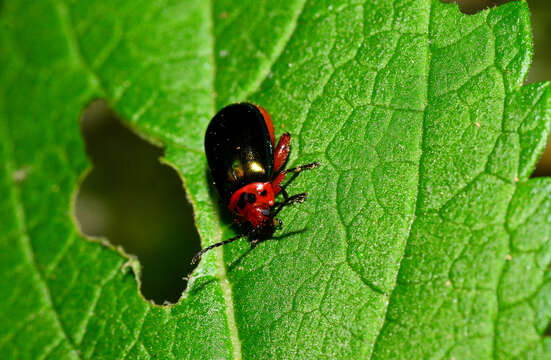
474	6
136	202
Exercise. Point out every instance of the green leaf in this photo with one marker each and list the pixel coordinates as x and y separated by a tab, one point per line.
422	238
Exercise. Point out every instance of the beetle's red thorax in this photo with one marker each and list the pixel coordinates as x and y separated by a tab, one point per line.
252	203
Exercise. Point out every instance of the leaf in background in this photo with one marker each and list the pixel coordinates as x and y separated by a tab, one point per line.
423	236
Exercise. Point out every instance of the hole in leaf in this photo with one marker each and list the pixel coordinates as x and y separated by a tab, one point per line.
474	6
136	202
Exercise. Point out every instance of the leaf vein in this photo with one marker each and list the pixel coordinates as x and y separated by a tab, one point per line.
26	241
423	132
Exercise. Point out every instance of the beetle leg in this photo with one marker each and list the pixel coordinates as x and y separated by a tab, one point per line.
284	193
281	153
298	198
276	184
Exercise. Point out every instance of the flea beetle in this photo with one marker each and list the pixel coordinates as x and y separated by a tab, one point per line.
248	172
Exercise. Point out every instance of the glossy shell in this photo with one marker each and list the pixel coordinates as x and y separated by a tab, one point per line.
239	148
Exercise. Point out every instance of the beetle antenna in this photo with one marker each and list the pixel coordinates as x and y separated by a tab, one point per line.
200	253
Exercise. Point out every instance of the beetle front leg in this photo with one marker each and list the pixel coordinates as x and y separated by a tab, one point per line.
295	199
276	184
284	193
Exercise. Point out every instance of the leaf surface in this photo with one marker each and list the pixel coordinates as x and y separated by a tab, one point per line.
422	236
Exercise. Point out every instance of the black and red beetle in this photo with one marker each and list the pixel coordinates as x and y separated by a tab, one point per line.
247	171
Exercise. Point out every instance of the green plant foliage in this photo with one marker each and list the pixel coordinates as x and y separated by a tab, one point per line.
423	236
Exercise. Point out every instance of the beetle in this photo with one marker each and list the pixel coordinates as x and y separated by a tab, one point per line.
248	170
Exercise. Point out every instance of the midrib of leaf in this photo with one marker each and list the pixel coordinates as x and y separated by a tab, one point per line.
221	273
253	87
24	239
